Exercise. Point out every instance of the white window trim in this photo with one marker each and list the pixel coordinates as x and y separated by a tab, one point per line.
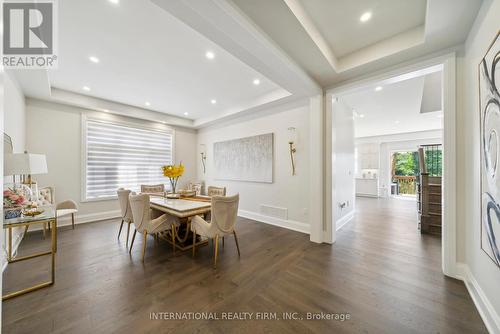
83	166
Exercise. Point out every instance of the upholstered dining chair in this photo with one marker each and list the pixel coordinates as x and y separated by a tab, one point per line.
153	190
196	187
46	196
125	210
216	191
224	215
145	225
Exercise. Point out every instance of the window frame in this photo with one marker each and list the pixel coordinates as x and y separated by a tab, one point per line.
83	171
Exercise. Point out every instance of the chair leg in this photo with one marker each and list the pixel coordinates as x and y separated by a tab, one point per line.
120	231
128	231
144	245
216	250
237	245
222	242
132	243
194	242
73	221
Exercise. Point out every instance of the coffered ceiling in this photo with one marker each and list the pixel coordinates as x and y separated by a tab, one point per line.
335	40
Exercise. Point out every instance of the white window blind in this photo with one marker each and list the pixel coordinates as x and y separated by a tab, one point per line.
123	156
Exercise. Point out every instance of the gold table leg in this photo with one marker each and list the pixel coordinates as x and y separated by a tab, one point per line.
9	256
52	252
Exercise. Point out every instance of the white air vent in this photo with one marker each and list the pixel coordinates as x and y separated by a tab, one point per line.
273	211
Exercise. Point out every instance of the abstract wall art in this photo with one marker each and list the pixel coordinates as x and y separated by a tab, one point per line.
489	106
245	159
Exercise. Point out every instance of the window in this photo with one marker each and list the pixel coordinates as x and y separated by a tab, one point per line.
117	155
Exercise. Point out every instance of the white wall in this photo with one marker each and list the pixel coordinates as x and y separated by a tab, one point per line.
343	187
2	231
15	127
286	192
481	268
55	130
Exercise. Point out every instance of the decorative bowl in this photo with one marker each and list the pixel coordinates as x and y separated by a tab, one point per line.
33	212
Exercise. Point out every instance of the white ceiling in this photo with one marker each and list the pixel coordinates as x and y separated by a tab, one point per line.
394	109
338	21
146	54
327	39
154	50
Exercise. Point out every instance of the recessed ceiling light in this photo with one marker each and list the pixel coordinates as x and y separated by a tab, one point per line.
163	122
186	113
378	88
256	82
105	110
365	17
86	88
213	101
361	116
116	2
397	122
147	104
94	59
210	55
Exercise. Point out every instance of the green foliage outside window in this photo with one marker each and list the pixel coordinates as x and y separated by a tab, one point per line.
405	163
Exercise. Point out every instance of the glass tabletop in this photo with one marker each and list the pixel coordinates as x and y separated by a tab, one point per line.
48	213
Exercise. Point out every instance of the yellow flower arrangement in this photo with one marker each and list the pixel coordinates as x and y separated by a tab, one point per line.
173	172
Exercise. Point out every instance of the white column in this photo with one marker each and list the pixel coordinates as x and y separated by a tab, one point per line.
316	159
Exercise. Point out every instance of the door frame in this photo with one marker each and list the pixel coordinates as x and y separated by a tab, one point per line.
446	63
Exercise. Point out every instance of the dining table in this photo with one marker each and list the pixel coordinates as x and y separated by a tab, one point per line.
183	209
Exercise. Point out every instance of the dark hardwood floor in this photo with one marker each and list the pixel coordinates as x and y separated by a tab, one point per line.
381	272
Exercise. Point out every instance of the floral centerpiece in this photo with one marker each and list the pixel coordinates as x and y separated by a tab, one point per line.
13	200
173	172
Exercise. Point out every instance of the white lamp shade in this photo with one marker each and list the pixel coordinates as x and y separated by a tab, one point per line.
24	164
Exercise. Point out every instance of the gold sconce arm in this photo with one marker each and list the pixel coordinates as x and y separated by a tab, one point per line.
203	160
293	150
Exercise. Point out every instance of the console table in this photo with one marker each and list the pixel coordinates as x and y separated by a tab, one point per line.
47	217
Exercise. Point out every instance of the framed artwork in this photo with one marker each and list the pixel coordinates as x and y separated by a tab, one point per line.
489	107
245	159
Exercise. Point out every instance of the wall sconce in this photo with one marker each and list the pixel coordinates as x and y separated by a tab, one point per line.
203	153
292	141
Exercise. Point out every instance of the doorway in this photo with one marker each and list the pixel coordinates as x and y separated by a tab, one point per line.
446	64
404	172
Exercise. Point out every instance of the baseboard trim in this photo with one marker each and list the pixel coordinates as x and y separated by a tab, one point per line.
344	220
488	313
288	224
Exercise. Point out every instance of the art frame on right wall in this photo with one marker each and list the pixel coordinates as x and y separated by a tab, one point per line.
489	108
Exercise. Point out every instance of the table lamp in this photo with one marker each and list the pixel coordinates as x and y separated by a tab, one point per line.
25	164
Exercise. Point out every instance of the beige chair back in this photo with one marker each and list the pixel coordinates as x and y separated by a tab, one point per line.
196	187
140	210
46	196
216	191
153	188
125	210
225	212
